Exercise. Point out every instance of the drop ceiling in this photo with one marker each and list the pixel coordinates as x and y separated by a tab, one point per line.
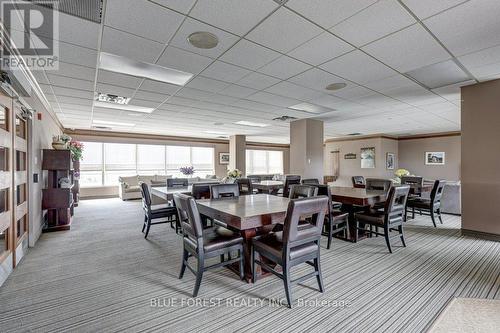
395	57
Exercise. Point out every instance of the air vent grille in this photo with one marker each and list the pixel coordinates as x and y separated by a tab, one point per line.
284	118
354	134
86	9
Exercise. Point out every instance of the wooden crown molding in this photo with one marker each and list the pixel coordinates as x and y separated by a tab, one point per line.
430	135
364	137
410	137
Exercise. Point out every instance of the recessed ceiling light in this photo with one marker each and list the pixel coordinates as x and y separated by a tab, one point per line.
336	86
203	40
128	107
119	64
112	123
311	108
250	123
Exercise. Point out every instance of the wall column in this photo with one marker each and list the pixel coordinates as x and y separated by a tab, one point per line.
480	157
306	148
237	153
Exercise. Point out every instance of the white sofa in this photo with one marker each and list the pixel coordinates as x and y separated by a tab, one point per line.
129	186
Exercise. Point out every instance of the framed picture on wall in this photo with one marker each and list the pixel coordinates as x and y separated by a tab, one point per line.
434	157
367	158
389	161
223	158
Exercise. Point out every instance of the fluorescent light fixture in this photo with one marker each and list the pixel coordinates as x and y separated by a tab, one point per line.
310	108
250	123
112	98
119	64
112	123
215	133
126	107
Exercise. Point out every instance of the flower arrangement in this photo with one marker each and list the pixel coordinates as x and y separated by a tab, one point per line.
401	172
60	142
76	149
234	173
187	170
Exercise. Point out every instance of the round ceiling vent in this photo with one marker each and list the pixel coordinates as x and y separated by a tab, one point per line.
203	40
336	86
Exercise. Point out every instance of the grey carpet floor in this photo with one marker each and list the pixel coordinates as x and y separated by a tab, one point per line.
103	276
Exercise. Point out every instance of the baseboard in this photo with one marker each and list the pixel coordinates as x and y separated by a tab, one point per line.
98	197
479	234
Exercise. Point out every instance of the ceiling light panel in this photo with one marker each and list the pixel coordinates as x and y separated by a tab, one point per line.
128	66
439	75
250	123
134	108
311	108
112	123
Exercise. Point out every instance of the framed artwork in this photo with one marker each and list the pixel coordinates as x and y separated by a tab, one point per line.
389	161
350	156
367	158
434	158
223	158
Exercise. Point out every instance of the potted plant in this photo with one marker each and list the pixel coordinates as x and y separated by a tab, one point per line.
187	171
76	149
400	173
60	142
232	175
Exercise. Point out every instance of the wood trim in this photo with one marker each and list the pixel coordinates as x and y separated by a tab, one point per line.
99	135
480	234
431	135
5	255
366	137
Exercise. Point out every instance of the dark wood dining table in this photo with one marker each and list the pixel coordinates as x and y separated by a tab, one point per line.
268	186
251	215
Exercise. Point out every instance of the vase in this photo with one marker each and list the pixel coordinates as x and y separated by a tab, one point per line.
59	145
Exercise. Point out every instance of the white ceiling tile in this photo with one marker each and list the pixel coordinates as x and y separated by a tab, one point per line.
292	90
283	31
182	6
146	103
130	46
75	71
328	13
63	81
469	27
258	81
358	67
159	87
284	67
237	91
484	57
408	49
63	91
149	96
249	55
439	75
426	8
225	72
75	100
380	19
395	81
39	75
452	92
130	16
77	55
206	84
328	101
320	49
257	106
226	40
221	99
193	93
316	79
267	98
118	79
183	60
115	90
237	16
352	91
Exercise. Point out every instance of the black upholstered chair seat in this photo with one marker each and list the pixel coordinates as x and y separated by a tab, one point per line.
162	212
372	216
421	203
219	238
271	246
336	205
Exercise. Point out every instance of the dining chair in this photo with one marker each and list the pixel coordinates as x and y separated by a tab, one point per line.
225	191
205	244
302	191
390	218
254	178
201	191
336	221
267	177
310	181
430	206
164	213
177	182
244	186
377	184
415	184
293	246
358	181
289	181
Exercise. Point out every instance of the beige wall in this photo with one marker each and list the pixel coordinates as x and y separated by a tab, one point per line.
480	157
306	148
412	157
349	168
41	138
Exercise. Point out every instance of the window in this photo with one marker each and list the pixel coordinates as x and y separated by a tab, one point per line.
91	167
4	159
20	127
4	241
4	200
4	120
103	163
22	226
264	162
150	160
20	160
21	194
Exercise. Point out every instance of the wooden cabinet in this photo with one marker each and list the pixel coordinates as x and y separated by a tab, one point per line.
59	202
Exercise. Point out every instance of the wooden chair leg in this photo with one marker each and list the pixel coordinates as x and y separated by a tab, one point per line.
402	235
147	227
387	240
144	224
199	275
413	212
356	232
439	215
185	255
433	218
330	235
252	258
242	264
319	277
288	285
